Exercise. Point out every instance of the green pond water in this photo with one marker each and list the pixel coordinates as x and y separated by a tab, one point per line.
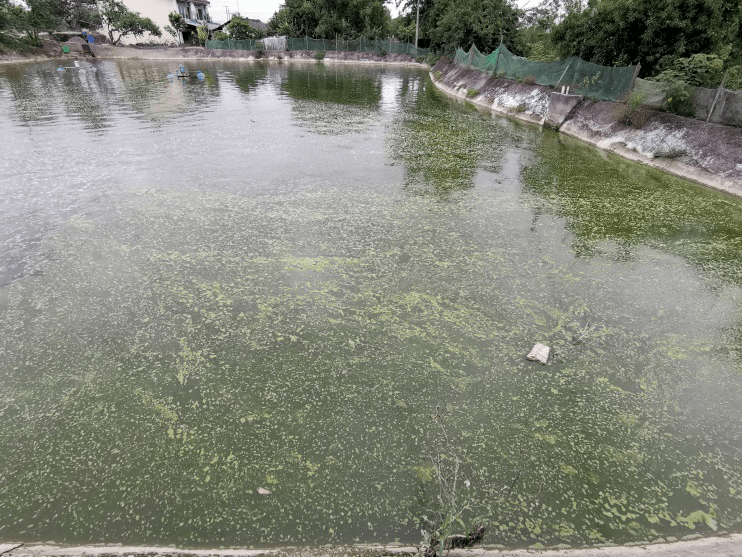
278	277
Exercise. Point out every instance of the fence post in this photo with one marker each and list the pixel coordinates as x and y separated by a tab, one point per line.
561	76
716	98
306	41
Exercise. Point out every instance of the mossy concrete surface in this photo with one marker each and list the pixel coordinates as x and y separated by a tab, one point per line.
716	546
706	153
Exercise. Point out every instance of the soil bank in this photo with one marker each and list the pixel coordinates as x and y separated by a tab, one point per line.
708	154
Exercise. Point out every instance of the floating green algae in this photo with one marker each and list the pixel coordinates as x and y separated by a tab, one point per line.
171	343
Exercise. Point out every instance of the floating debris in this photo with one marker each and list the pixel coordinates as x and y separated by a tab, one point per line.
539	353
263	491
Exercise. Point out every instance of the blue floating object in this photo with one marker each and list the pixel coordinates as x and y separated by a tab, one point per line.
170	75
60	69
182	69
200	75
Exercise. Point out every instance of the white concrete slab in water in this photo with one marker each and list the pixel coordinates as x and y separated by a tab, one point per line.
539	353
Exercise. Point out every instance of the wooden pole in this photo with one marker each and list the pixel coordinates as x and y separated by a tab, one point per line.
716	98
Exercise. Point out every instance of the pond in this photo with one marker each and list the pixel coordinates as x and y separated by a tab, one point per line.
297	277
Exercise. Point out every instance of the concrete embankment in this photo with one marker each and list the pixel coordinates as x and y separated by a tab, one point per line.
709	154
717	546
110	52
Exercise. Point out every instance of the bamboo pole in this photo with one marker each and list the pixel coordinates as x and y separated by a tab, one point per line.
716	98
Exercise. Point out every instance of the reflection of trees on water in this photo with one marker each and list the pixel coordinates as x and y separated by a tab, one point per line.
145	90
613	209
247	78
442	146
630	205
40	93
333	100
335	85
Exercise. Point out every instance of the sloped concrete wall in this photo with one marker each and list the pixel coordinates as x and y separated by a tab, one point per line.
728	109
706	153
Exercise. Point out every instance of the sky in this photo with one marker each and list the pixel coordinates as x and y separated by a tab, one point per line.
264	9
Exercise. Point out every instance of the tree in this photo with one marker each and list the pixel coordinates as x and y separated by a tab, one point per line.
461	23
240	28
80	14
329	19
403	28
650	32
42	15
203	34
119	20
177	24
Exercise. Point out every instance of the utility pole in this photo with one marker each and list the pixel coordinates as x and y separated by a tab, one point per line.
417	22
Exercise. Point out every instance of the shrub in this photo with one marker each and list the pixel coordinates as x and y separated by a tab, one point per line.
529	80
472	93
203	34
240	28
679	98
319	55
220	36
633	112
437	75
382	52
259	49
701	70
520	108
501	74
420	59
432	58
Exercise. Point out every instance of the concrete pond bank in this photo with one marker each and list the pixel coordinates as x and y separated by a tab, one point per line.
52	50
717	546
705	153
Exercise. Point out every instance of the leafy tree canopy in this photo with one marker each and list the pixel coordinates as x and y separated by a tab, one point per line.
484	23
348	19
118	20
651	32
240	28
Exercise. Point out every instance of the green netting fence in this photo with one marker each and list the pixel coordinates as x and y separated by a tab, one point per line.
592	80
358	45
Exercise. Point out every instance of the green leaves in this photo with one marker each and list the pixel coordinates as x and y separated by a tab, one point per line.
326	19
119	20
241	29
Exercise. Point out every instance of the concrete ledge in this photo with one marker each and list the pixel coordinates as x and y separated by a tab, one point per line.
729	545
560	107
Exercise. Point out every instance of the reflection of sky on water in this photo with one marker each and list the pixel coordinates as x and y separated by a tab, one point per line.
271	278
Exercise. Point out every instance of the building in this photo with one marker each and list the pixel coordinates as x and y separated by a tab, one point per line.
194	12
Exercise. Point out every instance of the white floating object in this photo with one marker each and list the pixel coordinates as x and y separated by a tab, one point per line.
263	491
539	353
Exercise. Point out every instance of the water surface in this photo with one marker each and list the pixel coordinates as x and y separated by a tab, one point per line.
279	277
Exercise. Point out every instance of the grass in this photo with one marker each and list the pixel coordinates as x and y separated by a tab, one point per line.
632	112
471	93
